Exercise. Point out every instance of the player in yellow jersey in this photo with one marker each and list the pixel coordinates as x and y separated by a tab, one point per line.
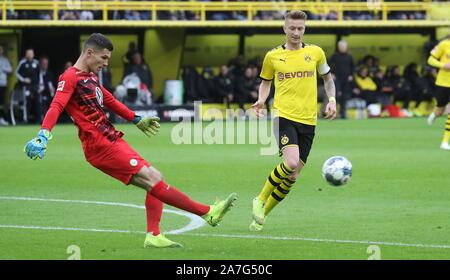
440	58
293	67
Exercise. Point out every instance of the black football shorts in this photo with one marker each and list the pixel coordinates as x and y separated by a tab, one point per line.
291	133
442	96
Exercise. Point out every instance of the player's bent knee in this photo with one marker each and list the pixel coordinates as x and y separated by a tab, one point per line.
293	164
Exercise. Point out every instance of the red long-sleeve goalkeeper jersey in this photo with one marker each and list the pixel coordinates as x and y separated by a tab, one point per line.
81	95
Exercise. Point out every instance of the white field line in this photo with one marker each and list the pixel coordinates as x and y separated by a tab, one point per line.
197	222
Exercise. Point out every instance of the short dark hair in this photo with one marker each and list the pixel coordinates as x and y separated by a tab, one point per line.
98	41
297	14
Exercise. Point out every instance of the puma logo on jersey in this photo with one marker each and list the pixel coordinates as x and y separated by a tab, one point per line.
283	59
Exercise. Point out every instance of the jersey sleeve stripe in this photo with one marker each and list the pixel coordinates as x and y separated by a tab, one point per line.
434	56
262	78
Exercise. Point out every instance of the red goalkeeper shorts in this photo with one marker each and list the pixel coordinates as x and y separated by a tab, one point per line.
116	159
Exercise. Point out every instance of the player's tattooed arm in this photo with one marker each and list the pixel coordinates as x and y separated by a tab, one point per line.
330	88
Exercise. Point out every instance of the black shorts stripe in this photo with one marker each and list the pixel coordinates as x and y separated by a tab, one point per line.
273	182
276	197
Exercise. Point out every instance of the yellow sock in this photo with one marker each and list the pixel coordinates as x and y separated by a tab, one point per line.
278	195
275	178
447	130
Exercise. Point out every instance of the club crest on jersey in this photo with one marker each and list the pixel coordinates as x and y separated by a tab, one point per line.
61	86
284	140
308	57
99	95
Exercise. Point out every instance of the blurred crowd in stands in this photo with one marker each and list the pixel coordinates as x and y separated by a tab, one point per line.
37	83
328	14
358	84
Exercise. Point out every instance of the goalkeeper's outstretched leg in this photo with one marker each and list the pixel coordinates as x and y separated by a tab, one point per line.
159	192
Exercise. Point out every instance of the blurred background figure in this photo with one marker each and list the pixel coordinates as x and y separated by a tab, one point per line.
341	63
5	70
28	75
47	84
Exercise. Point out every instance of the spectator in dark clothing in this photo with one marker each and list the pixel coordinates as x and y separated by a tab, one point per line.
106	78
205	86
28	75
383	97
141	69
46	85
411	75
389	85
5	70
429	75
27	71
341	63
425	85
128	57
190	78
247	88
224	86
237	66
364	87
400	86
372	64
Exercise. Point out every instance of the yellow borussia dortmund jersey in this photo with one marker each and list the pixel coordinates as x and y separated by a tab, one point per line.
295	76
442	53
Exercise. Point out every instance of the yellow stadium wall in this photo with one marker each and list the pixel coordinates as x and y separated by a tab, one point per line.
210	50
440	12
163	51
120	43
442	32
258	45
219	49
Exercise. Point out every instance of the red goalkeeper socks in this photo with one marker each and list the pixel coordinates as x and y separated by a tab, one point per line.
153	208
172	196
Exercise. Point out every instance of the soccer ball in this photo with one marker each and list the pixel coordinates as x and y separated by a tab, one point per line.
337	171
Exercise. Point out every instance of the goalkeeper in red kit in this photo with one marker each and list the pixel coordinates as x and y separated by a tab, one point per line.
81	95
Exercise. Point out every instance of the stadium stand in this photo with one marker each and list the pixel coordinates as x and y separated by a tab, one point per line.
236	34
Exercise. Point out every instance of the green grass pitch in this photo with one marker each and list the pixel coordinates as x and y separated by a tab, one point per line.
398	198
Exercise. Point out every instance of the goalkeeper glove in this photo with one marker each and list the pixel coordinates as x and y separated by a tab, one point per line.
149	125
37	147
